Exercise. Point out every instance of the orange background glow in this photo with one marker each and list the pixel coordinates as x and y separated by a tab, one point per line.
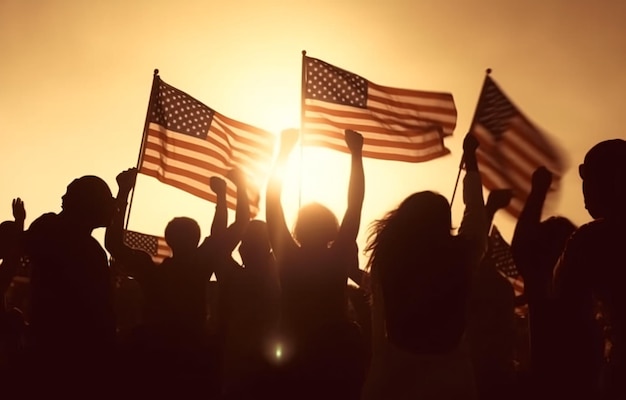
75	78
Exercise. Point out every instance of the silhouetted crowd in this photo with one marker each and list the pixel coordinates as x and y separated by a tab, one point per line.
429	317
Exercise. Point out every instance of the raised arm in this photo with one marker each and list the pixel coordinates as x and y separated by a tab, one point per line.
474	223
234	233
356	191
497	200
525	235
12	246
134	261
220	219
280	237
19	213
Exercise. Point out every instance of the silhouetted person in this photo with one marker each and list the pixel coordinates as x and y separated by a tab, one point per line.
252	311
420	282
590	277
11	247
359	303
491	319
12	324
72	317
175	295
321	347
536	247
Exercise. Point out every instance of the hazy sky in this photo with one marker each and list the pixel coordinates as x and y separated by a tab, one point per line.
75	78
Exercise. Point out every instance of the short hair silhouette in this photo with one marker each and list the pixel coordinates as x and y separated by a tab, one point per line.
553	234
602	172
182	234
8	233
255	243
315	225
89	199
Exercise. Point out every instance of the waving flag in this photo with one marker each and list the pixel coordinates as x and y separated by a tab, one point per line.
396	124
187	142
511	147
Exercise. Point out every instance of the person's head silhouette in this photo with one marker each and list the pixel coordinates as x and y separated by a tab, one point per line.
9	232
255	244
604	177
182	234
316	226
552	235
419	227
423	214
89	201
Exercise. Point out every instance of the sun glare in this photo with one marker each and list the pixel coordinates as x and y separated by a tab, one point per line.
315	175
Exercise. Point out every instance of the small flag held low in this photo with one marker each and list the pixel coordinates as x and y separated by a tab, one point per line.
500	252
155	246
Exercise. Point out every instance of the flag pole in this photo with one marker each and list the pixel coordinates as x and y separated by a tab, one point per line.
155	82
302	95
462	163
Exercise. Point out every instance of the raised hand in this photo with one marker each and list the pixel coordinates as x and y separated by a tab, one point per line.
498	199
354	140
236	176
542	179
288	140
470	143
126	179
19	212
217	185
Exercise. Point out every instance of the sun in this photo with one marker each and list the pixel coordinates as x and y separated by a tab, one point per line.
314	174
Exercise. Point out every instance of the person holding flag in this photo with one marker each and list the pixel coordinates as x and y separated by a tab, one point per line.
175	291
420	278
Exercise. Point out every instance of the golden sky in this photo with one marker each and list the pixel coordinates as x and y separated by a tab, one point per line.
75	78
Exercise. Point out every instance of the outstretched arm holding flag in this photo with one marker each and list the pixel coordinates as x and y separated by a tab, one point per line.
135	262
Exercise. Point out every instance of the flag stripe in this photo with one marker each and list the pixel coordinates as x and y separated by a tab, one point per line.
187	175
492	178
364	120
383	155
152	161
183	183
202	154
526	158
258	140
517	180
515	144
421	140
391	120
426	145
442	112
407	151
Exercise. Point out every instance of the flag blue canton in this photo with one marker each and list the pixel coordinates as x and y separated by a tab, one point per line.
177	111
495	110
142	242
328	83
500	252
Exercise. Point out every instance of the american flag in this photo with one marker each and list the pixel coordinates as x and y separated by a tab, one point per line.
187	142
396	124
155	246
511	147
500	252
